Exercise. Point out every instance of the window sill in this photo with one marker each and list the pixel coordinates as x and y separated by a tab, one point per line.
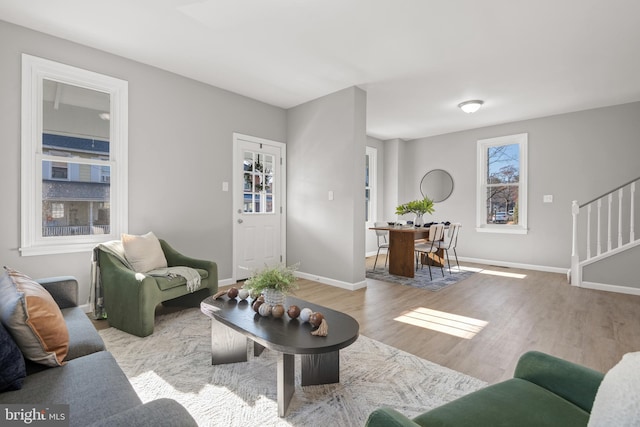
53	249
502	229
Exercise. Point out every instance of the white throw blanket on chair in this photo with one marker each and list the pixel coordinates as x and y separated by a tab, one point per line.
192	275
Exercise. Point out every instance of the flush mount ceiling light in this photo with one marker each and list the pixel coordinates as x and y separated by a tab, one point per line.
471	106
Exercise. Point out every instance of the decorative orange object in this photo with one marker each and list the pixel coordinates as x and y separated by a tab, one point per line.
277	311
294	311
316	318
256	305
232	293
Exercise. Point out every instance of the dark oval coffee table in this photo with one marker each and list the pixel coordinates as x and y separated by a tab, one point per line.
235	326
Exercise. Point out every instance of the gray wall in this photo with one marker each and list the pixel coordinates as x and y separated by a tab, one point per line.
393	156
180	152
325	152
617	270
180	147
576	156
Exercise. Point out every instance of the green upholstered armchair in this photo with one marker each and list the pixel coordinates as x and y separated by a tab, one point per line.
130	298
545	391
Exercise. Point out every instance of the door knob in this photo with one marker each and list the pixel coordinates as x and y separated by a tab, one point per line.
240	221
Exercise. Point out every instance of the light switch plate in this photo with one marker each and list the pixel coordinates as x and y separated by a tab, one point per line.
330	195
547	198
225	186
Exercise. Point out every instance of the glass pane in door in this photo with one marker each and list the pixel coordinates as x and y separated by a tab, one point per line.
259	176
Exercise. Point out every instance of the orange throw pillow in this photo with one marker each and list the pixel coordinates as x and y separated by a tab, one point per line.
33	319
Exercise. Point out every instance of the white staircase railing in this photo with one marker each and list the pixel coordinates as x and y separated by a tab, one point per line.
584	249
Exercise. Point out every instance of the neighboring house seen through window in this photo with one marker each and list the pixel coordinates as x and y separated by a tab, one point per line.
74	162
502	184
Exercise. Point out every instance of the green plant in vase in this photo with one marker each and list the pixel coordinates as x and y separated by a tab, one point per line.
418	207
274	282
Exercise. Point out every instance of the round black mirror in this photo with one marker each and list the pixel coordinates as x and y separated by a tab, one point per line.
437	185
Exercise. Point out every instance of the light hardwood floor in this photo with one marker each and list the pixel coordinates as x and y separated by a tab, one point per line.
533	311
539	311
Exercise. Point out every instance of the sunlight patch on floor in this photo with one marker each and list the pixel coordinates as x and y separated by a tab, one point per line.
503	274
491	272
440	321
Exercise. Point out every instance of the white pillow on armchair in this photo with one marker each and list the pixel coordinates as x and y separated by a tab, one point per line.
617	403
144	253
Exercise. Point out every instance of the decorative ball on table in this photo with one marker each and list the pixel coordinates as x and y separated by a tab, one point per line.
305	313
264	310
243	294
256	305
277	311
293	311
316	318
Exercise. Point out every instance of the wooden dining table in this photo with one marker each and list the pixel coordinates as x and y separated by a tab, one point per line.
402	249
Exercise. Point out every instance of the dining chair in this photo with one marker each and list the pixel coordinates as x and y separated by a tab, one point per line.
450	243
381	235
436	233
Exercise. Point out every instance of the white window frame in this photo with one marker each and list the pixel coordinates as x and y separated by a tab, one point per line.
34	71
372	152
481	194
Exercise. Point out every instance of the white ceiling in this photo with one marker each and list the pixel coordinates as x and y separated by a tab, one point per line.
416	59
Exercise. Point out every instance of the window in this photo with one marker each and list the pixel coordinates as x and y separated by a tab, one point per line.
74	158
502	184
370	181
59	170
57	210
258	182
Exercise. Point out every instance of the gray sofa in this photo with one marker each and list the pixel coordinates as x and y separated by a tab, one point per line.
91	382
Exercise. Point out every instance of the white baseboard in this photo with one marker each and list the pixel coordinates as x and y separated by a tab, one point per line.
611	288
562	270
548	269
332	282
85	307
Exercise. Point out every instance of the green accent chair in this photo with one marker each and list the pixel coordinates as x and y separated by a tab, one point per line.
545	391
131	303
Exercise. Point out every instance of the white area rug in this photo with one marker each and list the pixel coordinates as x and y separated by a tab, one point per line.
175	362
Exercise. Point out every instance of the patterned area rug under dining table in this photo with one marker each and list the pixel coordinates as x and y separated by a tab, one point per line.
422	279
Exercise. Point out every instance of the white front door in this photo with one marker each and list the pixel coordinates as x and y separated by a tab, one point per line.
258	204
